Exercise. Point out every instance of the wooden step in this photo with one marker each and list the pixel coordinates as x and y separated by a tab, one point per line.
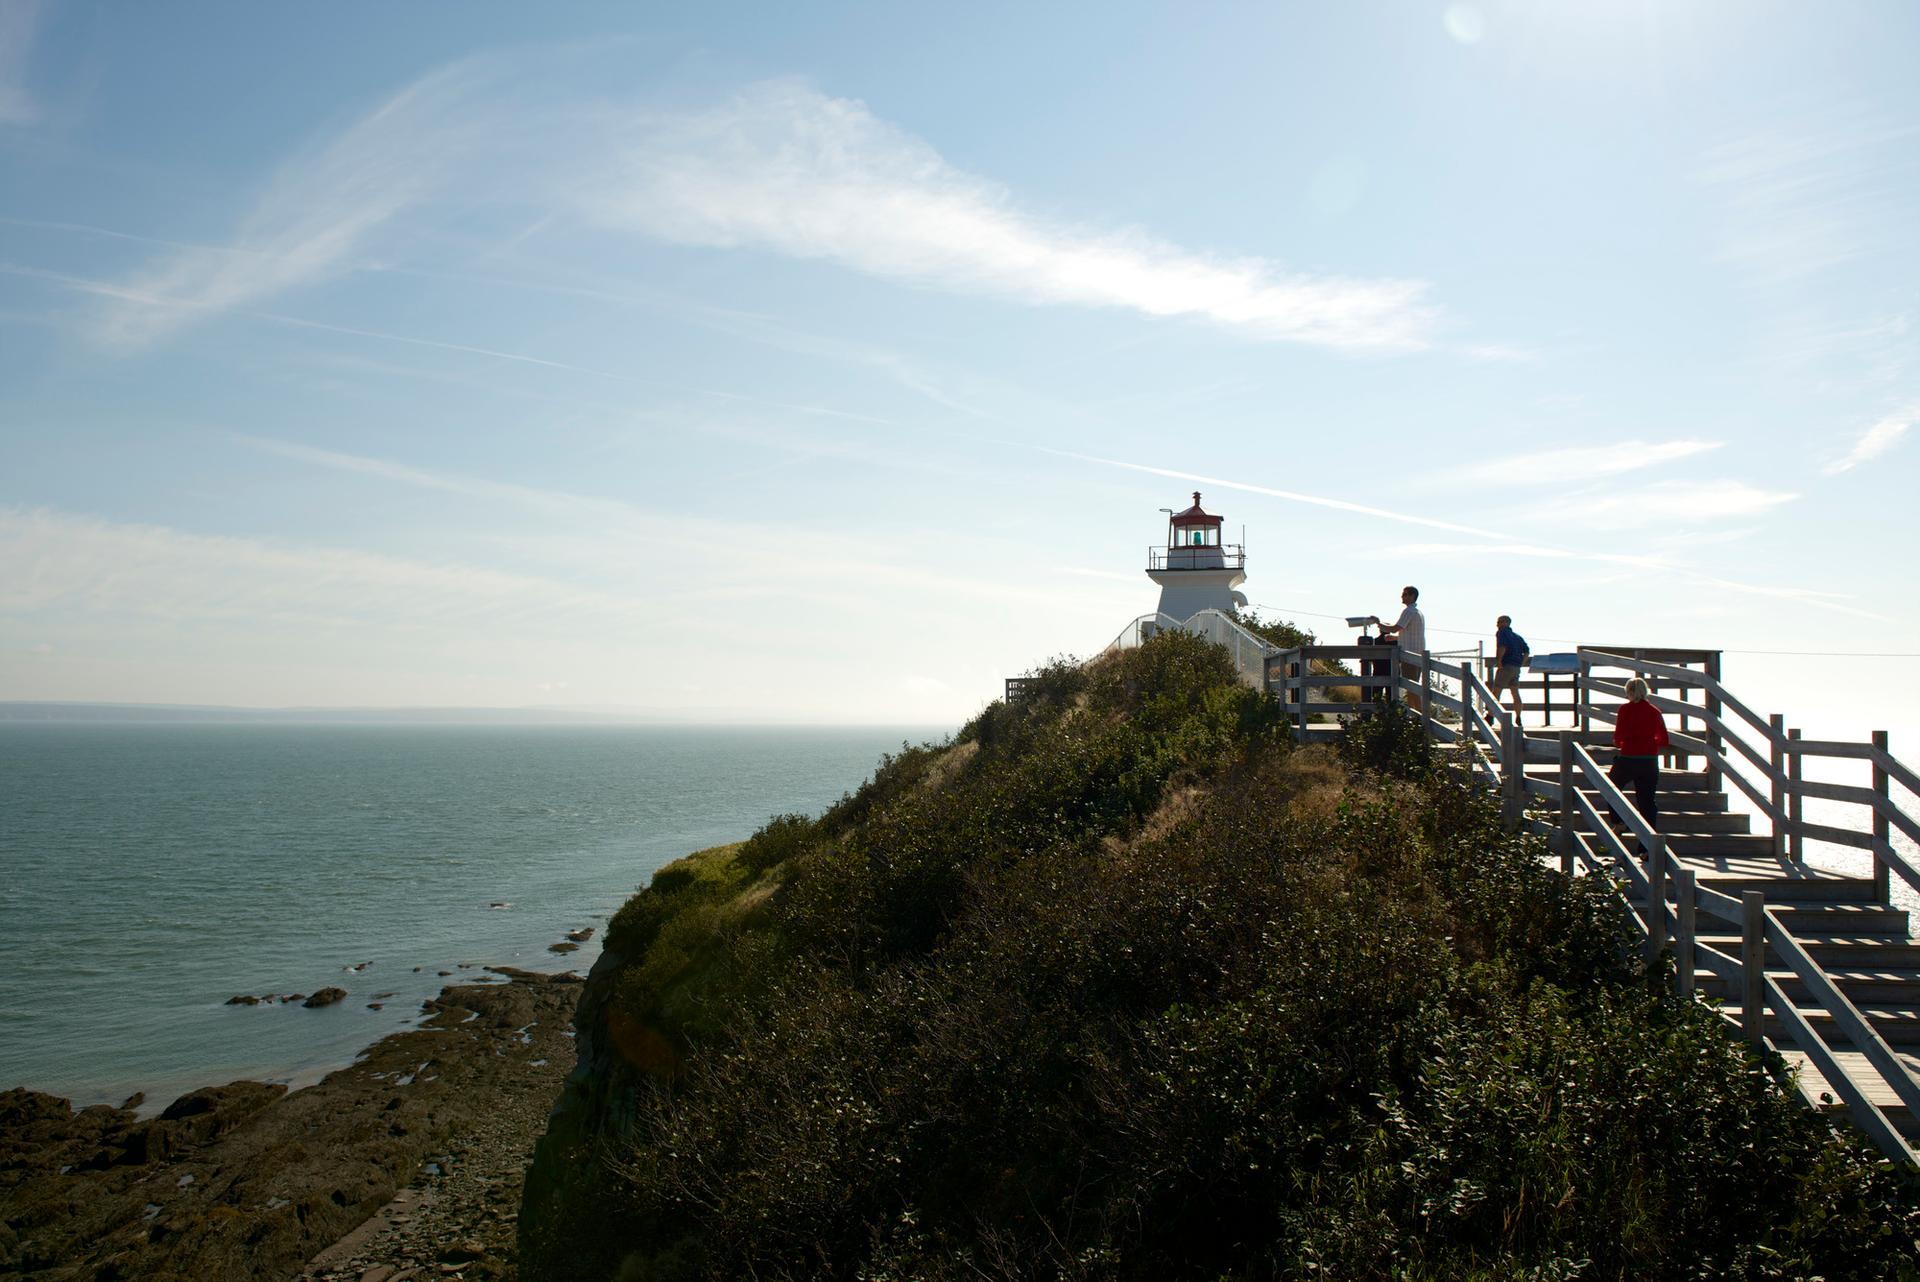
1778	877
1670	780
1897	1025
1830	951
1887	985
1861	1071
1861	920
1779	890
1719	844
1679	802
1842	919
1691	823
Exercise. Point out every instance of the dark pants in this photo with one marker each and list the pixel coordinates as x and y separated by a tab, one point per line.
1643	773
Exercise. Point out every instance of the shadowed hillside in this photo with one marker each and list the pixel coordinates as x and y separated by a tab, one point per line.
1122	984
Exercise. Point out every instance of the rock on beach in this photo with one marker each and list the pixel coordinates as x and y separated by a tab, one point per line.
248	1181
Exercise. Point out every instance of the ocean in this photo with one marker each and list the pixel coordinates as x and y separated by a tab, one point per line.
149	872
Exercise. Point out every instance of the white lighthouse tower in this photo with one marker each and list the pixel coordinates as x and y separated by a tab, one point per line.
1196	571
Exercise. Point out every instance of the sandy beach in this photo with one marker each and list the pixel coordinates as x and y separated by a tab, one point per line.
405	1164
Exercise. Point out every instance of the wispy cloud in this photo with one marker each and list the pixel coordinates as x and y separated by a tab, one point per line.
748	556
779	167
1875	441
1503	353
1579	463
129	294
1292	496
18	21
53	560
1663	503
1813	193
1647	567
757	328
1669	504
785	168
318	211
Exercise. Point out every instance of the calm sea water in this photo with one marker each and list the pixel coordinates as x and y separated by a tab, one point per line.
150	872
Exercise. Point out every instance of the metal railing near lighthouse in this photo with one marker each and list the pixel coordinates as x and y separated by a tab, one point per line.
1249	652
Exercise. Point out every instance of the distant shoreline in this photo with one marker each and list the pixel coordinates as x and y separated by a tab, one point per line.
68	712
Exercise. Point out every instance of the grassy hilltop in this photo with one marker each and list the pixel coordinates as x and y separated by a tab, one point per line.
1120	983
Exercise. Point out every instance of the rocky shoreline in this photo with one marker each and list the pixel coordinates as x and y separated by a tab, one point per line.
406	1164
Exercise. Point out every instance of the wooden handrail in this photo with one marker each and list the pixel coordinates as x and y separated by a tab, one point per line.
1884	807
1688	676
1865	1113
1610	839
1830	748
1715	904
1616	800
1901	774
1845	1013
1838	792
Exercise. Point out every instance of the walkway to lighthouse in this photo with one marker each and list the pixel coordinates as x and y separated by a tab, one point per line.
1739	884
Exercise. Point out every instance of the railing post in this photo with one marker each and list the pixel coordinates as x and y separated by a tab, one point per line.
1881	832
1683	930
1512	776
1656	899
1753	966
1680	759
1777	775
1796	804
1583	696
1714	746
1565	830
1299	694
1426	691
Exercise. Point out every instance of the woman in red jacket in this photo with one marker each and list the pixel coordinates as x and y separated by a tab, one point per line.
1639	736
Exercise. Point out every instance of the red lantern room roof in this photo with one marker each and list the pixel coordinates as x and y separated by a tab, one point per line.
1193	515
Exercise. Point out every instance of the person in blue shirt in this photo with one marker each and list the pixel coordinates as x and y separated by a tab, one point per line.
1509	657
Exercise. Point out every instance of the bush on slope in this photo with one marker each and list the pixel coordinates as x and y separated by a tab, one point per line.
1123	985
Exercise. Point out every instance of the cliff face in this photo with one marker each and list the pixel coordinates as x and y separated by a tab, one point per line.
566	1185
643	1000
1124	985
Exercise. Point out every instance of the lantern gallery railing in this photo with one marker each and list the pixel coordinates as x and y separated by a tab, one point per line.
1219	556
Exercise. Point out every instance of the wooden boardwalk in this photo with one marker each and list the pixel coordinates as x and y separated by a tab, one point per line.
1819	966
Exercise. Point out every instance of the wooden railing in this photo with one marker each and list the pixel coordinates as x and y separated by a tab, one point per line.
1766	766
1757	755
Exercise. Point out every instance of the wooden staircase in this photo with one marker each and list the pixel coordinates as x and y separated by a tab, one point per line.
1820	967
1867	947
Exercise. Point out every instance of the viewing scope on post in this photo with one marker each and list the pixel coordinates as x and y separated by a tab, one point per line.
1370	692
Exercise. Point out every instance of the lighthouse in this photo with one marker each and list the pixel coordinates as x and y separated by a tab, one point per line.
1195	570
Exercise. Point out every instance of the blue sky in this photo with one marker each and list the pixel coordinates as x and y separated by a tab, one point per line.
832	362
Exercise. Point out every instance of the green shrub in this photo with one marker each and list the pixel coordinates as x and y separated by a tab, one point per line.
1390	740
783	837
1131	988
